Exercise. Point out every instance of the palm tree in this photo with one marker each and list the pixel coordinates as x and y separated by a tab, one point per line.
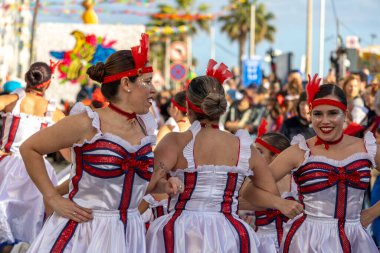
181	7
237	24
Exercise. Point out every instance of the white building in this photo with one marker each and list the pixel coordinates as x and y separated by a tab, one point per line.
15	27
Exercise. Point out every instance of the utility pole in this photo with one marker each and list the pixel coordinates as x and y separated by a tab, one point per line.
34	22
309	35
212	38
252	31
167	63
322	37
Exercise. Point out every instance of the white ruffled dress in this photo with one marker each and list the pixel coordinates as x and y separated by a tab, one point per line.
332	193
203	218
270	224
21	205
109	176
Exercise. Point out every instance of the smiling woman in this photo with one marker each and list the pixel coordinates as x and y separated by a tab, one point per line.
332	171
329	115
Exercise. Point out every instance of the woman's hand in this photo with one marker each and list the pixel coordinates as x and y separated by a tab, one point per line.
68	209
366	217
247	216
174	186
2	153
48	209
289	208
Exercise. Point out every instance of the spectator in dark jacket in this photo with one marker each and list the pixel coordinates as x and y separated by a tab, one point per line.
299	124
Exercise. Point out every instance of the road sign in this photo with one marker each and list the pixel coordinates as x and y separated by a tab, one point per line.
252	72
178	51
178	71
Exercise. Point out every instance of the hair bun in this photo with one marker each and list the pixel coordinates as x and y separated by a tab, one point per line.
36	76
38	73
214	105
97	72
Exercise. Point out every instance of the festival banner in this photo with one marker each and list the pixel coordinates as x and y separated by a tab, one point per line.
79	46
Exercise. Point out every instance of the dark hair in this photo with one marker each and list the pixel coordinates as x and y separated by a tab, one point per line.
180	98
207	94
118	62
363	77
302	98
277	140
331	89
38	73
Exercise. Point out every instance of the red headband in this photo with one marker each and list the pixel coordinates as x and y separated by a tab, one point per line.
52	67
194	107
312	89
181	108
221	74
140	57
262	130
332	102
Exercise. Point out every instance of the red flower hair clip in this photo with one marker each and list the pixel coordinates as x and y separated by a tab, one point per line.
221	73
140	57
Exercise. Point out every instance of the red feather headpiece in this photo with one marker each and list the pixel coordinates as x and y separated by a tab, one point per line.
53	65
312	89
260	132
221	73
140	57
262	128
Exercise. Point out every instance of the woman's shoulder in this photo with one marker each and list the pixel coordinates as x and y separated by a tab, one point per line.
352	141
82	119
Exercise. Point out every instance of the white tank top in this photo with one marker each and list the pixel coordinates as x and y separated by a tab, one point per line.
18	126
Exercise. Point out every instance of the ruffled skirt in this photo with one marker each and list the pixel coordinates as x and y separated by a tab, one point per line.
105	233
320	235
196	232
21	204
268	241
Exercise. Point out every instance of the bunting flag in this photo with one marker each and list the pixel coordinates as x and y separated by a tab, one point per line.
79	2
72	3
185	17
167	30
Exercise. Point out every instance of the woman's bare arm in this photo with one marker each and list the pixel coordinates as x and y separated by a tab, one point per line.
165	158
286	161
6	100
63	134
262	176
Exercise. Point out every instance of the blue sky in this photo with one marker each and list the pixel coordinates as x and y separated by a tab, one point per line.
358	17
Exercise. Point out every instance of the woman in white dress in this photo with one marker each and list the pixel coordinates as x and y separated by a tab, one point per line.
24	113
112	163
212	165
156	205
269	223
178	121
332	171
